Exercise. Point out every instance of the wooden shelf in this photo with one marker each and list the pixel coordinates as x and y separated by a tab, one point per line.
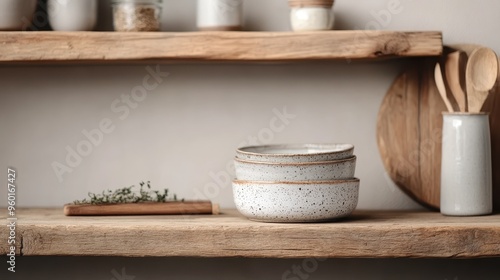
366	234
113	47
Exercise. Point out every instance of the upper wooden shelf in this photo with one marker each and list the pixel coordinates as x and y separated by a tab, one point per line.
112	47
366	234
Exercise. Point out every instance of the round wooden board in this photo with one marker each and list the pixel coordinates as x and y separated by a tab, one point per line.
409	129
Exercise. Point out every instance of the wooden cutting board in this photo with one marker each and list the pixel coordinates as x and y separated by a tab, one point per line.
146	208
409	129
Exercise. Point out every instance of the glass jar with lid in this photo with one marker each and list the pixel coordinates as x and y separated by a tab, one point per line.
137	15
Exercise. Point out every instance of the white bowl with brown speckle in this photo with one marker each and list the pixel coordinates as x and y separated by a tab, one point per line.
306	171
296	202
294	153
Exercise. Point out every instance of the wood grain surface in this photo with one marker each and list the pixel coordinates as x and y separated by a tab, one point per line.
366	234
409	130
105	47
148	208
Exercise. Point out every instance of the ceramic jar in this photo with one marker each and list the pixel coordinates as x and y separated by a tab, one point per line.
137	15
72	15
311	15
220	15
16	14
466	175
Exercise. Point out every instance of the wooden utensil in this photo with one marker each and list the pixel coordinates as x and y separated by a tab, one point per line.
481	74
146	208
455	66
438	76
409	131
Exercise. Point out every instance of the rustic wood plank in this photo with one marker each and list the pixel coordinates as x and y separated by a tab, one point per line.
106	47
367	234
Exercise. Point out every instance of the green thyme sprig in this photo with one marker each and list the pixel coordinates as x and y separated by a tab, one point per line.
127	195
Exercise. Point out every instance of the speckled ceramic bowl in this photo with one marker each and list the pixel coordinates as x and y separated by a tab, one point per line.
309	171
293	153
296	202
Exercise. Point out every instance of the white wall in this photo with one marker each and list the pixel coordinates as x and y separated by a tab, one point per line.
190	125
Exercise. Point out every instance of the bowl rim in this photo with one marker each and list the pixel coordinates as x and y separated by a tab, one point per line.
328	182
330	162
349	147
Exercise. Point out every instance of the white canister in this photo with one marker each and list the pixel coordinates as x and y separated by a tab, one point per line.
220	15
16	14
72	15
466	176
314	18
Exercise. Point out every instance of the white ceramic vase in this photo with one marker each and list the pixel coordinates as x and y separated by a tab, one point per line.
72	15
466	176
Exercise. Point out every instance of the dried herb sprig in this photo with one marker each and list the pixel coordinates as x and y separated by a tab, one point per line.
127	195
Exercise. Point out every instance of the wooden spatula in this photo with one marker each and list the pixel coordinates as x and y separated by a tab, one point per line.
456	62
438	77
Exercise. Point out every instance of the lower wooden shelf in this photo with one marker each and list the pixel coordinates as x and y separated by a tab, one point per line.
366	234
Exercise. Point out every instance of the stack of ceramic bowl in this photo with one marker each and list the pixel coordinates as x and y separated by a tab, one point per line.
296	183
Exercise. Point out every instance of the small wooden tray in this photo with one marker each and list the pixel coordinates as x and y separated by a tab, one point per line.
145	208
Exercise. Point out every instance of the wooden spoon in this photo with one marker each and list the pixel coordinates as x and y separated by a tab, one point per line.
481	74
438	77
456	63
